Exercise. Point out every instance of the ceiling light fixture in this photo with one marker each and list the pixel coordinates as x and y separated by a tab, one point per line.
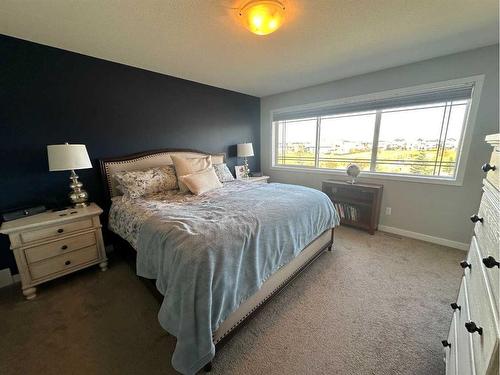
262	17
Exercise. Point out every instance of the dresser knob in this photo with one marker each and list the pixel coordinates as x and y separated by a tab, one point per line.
455	306
474	218
471	327
60	230
68	262
490	262
464	264
446	343
64	247
488	167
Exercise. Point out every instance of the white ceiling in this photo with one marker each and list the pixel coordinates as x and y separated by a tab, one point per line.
201	40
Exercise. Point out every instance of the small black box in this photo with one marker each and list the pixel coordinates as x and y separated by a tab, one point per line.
13	215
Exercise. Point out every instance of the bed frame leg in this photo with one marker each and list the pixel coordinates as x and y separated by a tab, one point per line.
331	247
208	367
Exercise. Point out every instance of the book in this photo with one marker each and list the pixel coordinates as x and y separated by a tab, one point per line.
347	211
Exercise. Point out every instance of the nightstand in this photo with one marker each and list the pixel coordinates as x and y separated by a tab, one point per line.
53	244
260	179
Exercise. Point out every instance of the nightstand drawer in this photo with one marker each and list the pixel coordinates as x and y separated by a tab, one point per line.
63	262
51	249
56	230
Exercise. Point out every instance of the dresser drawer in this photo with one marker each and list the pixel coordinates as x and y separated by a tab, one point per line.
464	339
481	308
491	275
56	230
63	262
488	231
450	352
488	239
494	176
66	245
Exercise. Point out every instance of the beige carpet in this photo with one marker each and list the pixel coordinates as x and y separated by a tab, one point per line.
376	305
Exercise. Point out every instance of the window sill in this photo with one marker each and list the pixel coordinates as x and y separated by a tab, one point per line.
372	175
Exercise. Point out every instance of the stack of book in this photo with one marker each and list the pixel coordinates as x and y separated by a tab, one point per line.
347	211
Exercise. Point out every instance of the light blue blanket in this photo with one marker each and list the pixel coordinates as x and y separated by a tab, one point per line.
209	256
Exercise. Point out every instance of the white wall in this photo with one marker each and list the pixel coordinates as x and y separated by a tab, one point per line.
434	210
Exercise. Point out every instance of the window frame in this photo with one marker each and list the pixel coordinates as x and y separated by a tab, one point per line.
463	148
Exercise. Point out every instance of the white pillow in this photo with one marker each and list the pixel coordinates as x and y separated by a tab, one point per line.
185	166
201	182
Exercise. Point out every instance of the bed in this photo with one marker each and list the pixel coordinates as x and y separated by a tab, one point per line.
216	258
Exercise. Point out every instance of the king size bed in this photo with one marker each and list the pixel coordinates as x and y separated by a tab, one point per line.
216	257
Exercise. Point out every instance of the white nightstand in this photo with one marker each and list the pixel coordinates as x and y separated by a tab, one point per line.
261	179
53	244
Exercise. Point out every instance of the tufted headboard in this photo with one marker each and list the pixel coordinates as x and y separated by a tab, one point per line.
144	160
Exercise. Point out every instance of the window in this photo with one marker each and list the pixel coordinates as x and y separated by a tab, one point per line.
346	139
418	134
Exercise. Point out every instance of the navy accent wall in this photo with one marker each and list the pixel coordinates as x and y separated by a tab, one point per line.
50	96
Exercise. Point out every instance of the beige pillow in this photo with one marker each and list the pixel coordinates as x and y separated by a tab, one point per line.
185	166
218	158
201	182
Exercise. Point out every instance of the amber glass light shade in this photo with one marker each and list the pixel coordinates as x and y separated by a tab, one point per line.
262	17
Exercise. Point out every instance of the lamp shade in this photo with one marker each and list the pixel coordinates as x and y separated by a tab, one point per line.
244	150
68	157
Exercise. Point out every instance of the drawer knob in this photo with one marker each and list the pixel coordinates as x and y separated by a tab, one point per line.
464	264
490	262
64	247
474	218
471	327
60	230
446	343
455	306
68	262
488	167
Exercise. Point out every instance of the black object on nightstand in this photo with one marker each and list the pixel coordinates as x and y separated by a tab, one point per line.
22	212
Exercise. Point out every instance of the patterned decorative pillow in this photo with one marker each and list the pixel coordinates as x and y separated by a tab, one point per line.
135	184
223	172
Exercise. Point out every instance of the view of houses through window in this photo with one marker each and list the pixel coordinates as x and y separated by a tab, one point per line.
416	140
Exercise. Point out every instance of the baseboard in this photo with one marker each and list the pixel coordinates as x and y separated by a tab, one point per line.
425	237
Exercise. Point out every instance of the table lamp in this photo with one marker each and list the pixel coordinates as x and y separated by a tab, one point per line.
68	157
244	150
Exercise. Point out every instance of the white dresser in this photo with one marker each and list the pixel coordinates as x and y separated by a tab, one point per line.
472	346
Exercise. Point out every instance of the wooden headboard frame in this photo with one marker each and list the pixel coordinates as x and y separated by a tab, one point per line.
141	160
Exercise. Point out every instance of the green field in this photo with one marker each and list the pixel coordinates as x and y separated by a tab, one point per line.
388	161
